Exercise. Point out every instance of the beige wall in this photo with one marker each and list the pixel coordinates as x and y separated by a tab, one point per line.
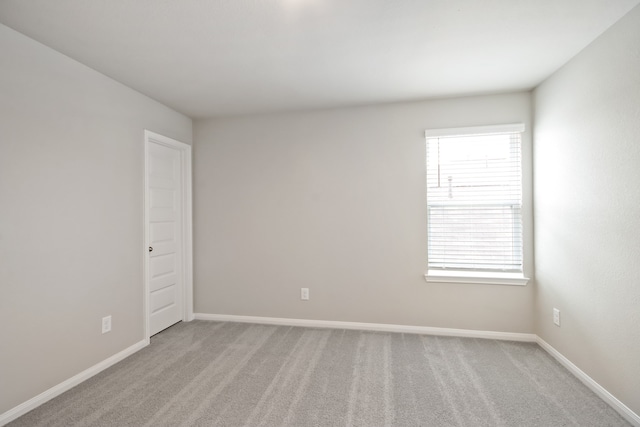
71	214
335	201
587	209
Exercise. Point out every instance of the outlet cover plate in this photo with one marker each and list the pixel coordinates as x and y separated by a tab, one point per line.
106	324
556	317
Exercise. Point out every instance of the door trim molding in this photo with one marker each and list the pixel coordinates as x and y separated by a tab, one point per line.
187	231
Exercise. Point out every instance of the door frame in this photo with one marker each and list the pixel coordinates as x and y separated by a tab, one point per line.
187	232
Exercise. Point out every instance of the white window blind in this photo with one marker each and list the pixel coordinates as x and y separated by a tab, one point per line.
474	199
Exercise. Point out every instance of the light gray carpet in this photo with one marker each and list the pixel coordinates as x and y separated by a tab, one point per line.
230	374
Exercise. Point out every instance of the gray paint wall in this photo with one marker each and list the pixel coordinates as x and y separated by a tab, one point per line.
587	209
331	200
71	214
335	201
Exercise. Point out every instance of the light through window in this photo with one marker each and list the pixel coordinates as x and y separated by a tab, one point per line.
474	199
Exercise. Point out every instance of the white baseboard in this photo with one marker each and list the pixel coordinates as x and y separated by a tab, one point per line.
622	409
382	327
57	390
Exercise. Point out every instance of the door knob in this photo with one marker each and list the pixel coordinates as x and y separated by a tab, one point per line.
150	249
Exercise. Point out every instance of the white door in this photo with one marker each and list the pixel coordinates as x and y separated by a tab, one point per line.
165	228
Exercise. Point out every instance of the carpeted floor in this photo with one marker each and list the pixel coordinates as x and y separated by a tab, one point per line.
230	374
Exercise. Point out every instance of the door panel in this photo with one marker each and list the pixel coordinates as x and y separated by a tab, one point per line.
161	232
164	202
163	299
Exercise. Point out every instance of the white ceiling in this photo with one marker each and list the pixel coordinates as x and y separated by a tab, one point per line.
224	57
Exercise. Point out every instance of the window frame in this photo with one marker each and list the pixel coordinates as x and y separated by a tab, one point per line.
481	276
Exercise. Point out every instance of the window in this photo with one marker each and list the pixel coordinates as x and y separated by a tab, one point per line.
474	205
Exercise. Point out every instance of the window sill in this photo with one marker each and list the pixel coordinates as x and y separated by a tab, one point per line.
476	277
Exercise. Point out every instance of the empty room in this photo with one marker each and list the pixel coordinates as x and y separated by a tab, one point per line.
320	213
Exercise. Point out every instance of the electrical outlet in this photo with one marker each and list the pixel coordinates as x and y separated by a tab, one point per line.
304	294
106	324
556	317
